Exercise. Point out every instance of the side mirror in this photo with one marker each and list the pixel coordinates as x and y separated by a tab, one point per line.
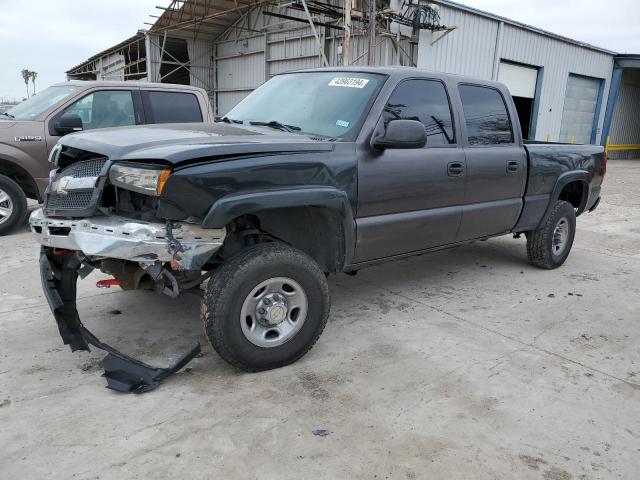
69	123
402	134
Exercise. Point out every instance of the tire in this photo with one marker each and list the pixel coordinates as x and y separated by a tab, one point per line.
549	246
240	325
13	205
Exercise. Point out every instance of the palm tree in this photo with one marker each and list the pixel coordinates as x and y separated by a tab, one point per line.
33	80
26	75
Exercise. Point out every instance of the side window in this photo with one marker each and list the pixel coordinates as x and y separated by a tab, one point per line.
174	107
485	115
104	109
426	101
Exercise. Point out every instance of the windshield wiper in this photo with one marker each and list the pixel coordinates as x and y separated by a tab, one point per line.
7	114
278	125
227	120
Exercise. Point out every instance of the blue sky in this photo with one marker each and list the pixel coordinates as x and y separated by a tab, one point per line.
53	35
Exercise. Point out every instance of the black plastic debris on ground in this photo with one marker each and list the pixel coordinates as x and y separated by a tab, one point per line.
59	274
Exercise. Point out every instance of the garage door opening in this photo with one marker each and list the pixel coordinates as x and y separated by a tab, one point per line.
524	107
522	82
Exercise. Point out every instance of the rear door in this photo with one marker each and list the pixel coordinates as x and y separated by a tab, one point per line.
496	164
162	106
410	200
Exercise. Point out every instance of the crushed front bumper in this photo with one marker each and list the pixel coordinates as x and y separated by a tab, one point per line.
59	275
68	248
118	237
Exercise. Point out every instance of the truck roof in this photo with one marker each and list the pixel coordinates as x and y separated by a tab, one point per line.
403	72
114	83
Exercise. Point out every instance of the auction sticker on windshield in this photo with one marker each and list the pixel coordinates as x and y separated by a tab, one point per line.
348	82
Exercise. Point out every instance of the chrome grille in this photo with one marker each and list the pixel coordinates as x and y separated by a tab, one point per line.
89	168
65	203
71	201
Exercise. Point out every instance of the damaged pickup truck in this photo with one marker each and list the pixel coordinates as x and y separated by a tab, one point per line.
315	172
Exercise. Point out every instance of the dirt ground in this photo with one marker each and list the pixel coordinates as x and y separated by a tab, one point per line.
466	364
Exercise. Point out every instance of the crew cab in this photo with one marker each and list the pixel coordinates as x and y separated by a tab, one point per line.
29	131
315	172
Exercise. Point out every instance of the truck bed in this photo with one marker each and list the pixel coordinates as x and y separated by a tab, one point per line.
550	164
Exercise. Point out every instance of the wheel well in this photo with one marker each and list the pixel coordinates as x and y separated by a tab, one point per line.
21	177
316	231
575	194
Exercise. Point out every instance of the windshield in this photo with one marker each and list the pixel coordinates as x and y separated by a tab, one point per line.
31	108
330	104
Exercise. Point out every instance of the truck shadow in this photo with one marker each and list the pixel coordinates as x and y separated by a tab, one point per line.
157	329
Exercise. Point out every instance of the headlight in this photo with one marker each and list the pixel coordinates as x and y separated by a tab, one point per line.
147	179
54	154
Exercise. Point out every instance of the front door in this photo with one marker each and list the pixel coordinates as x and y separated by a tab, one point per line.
496	165
100	109
410	200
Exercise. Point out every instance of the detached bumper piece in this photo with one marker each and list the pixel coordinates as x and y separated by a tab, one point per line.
59	274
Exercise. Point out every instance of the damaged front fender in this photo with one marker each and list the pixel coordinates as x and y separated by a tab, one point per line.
59	274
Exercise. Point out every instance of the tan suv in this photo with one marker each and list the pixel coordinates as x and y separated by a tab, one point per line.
30	130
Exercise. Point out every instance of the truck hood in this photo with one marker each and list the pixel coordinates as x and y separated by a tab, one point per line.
9	129
178	143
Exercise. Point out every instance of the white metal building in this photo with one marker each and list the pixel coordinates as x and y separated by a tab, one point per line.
559	84
564	90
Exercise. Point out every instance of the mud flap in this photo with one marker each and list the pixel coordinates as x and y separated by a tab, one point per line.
59	276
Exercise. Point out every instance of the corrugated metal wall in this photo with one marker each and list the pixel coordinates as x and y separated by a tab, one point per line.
468	50
625	128
243	61
240	67
471	50
559	59
152	47
201	67
111	67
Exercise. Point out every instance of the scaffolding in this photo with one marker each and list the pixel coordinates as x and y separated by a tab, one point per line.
125	61
230	47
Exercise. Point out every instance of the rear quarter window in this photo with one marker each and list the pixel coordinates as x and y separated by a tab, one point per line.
485	115
172	107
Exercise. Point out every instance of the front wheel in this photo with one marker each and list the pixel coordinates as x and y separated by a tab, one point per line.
549	246
13	205
265	307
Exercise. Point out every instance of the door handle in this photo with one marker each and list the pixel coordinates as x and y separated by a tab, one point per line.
512	166
455	169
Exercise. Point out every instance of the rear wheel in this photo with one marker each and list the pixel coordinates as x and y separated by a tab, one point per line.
549	246
13	205
266	307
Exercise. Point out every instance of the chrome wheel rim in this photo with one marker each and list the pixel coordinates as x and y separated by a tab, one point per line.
6	207
560	237
273	312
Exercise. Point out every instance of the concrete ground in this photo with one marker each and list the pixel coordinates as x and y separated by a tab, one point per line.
466	363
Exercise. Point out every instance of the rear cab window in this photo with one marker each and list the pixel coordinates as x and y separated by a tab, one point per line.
426	101
171	107
485	115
